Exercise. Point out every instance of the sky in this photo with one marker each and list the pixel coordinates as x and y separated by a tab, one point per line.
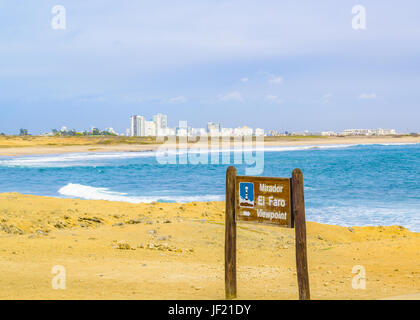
283	65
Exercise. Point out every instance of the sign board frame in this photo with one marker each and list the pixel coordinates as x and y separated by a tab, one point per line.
298	222
264	192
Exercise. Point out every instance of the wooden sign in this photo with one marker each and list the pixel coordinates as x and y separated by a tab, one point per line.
275	201
263	200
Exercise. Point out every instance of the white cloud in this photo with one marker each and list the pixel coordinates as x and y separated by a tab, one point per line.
326	98
177	100
275	80
244	80
231	96
273	99
366	96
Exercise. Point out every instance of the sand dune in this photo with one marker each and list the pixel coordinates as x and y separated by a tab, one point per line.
115	250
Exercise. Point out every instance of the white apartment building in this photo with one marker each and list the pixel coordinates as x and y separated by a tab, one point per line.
259	132
198	132
368	132
161	123
213	128
275	133
214	132
150	129
386	132
183	130
328	133
227	132
357	132
138	126
243	131
170	132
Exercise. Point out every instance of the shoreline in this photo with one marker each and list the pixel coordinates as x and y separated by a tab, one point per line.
117	250
278	142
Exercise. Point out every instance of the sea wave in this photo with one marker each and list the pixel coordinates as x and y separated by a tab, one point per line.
91	159
345	215
397	144
74	159
94	159
94	193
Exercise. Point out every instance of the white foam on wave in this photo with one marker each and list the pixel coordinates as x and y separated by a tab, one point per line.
343	215
375	215
73	159
88	159
91	159
398	144
92	193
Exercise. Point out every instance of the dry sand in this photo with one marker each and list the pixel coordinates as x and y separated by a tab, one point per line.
15	146
114	250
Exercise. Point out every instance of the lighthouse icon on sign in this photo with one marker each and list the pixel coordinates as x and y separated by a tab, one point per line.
246	194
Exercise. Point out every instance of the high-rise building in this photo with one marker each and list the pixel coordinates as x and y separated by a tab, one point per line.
243	131
150	129
142	128
213	127
226	132
259	132
161	123
183	130
138	126
133	126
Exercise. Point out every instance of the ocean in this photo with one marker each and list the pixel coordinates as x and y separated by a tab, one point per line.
348	185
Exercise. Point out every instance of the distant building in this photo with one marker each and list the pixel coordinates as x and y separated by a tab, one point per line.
275	133
304	133
138	126
150	129
328	133
368	132
198	132
213	128
386	132
182	130
161	123
170	132
158	126
227	132
243	131
259	132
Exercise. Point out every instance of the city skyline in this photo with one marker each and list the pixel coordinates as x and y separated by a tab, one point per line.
157	126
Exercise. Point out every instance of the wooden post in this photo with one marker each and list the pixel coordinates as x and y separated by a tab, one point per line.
298	201
230	235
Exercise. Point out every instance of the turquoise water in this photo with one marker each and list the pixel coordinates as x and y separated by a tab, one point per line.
353	185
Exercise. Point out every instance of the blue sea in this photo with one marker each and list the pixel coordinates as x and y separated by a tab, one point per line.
349	185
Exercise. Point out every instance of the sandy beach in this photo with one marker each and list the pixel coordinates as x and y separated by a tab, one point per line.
15	146
116	250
